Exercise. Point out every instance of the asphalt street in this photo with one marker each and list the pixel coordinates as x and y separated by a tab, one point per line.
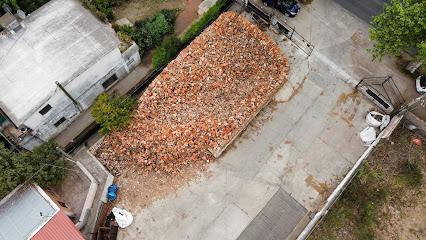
364	9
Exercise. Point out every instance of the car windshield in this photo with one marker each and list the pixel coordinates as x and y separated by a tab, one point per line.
423	80
287	4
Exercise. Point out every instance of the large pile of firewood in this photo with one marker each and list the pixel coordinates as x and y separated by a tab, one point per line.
201	101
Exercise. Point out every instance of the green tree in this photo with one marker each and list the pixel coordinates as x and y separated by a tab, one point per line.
401	26
113	112
44	166
46	163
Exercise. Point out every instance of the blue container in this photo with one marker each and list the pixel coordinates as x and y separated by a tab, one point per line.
112	188
111	196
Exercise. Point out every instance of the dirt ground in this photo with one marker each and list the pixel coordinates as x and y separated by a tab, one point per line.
403	214
138	191
141	9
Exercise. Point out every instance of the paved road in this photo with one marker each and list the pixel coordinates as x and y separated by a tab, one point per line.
364	9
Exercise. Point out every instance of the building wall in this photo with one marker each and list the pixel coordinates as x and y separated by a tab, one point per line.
84	89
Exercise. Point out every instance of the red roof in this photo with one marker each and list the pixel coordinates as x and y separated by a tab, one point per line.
59	227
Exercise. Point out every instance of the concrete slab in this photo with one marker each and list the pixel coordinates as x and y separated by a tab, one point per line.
303	142
276	220
228	225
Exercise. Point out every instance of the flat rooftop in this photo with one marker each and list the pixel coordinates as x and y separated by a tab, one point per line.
203	99
23	212
61	40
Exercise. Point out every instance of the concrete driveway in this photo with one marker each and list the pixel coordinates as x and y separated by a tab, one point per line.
302	143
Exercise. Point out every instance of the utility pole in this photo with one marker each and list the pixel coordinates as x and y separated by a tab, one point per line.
69	96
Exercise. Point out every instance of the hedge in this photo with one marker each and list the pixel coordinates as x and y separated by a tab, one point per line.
166	52
196	28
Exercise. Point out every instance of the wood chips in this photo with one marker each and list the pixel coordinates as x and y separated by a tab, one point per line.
201	101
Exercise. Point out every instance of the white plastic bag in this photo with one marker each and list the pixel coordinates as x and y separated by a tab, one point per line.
368	135
386	120
372	121
122	217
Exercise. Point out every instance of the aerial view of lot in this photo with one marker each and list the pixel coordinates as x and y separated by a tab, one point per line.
191	119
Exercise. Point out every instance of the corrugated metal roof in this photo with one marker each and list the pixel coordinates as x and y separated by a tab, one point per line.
59	227
22	212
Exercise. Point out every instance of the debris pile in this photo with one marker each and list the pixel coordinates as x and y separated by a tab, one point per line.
201	101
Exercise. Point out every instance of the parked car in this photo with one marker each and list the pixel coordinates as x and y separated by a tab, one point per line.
290	8
421	84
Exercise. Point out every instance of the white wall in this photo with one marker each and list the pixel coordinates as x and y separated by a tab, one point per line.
84	88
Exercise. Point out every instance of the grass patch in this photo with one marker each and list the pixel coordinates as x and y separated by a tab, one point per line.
359	204
385	184
411	175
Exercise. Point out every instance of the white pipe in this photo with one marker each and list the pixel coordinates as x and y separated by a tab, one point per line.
89	198
339	189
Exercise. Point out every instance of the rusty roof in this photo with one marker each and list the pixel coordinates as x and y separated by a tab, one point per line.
59	227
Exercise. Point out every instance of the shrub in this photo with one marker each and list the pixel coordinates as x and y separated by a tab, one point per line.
127	29
100	15
170	15
411	174
155	30
113	112
196	28
166	52
105	7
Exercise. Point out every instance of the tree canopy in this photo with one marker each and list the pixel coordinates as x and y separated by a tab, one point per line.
44	166
401	26
113	112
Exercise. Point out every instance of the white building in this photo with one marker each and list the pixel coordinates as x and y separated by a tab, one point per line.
60	44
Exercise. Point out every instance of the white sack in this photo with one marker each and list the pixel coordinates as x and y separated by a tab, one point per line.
386	120
373	122
368	135
122	217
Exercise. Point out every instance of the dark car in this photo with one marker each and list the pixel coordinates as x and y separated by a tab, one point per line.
290	8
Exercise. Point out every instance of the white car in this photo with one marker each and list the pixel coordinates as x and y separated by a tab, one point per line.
421	84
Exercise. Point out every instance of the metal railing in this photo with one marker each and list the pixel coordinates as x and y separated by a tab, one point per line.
290	32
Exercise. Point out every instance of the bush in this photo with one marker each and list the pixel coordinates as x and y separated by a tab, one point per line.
149	33
44	166
127	29
100	15
166	52
113	112
155	30
411	174
105	7
196	28
170	15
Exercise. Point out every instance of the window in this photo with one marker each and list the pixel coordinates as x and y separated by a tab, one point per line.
130	61
60	122
109	81
45	109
